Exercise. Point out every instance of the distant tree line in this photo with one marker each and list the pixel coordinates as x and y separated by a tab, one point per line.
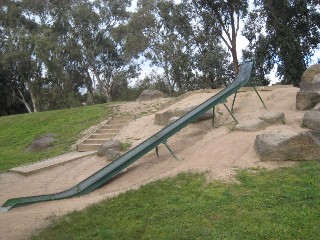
60	53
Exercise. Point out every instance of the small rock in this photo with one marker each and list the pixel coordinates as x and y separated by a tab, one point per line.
42	143
307	100
251	125
311	119
111	144
150	94
293	147
273	117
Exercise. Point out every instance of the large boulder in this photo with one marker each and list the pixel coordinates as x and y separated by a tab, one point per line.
112	154
110	149
311	119
273	117
251	125
42	143
164	118
290	146
309	94
311	86
150	94
307	100
308	75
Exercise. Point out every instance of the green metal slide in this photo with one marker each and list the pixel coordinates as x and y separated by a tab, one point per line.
108	172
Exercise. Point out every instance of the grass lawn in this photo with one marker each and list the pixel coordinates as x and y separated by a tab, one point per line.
18	131
280	204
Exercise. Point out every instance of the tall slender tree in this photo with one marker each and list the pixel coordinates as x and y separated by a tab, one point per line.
167	31
223	17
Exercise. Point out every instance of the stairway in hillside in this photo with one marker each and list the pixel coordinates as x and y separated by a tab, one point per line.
104	133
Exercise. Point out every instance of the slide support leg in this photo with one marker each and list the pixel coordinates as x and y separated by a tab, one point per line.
234	100
230	113
170	150
258	94
213	115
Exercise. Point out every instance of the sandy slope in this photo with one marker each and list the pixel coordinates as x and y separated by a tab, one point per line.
218	151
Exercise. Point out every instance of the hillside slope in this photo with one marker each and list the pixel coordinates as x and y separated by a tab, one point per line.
218	151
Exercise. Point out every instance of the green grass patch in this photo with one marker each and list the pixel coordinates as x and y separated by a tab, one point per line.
125	146
18	131
280	204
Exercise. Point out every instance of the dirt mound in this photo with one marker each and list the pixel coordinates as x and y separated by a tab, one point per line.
219	151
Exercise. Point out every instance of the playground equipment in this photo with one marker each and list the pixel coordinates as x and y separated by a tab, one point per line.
111	170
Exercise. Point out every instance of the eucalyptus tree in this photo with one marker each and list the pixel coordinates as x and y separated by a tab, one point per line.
223	18
166	33
95	31
291	34
18	54
211	60
34	52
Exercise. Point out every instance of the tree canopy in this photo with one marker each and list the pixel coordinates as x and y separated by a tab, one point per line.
291	34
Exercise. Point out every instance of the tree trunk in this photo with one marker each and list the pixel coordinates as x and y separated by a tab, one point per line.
23	100
235	61
32	96
34	101
108	94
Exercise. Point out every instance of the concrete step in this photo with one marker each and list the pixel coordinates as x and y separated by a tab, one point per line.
109	128
115	121
115	125
50	163
95	141
107	131
88	147
101	136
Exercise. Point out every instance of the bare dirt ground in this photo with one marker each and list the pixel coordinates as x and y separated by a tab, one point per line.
218	151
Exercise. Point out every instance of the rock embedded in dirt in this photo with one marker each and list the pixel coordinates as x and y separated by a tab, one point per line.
150	94
307	100
207	115
164	118
111	144
251	125
288	147
273	117
42	143
173	119
316	107
311	119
